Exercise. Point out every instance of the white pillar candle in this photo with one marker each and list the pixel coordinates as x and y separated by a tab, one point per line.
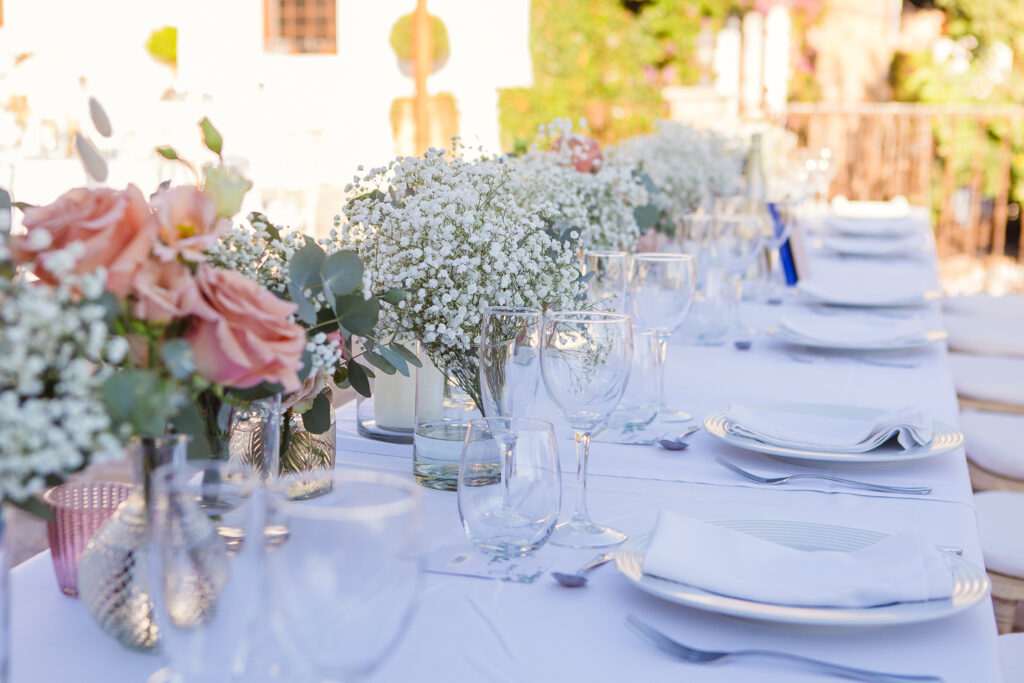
394	401
429	392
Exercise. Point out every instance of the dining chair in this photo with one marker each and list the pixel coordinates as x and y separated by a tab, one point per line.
994	442
999	514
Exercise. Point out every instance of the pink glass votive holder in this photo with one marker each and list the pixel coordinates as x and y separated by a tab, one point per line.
79	510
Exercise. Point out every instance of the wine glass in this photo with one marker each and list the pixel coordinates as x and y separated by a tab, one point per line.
608	272
585	362
737	241
509	360
509	511
203	566
661	291
342	586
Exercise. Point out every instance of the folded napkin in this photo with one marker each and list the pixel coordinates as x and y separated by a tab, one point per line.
901	568
880	227
797	429
873	246
897	207
988	378
865	293
986	305
852	329
980	334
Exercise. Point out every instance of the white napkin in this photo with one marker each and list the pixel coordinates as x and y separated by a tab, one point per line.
796	429
980	334
873	246
864	293
897	207
988	378
1007	306
901	568
889	227
863	330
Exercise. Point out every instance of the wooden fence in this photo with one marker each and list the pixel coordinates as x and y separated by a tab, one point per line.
958	159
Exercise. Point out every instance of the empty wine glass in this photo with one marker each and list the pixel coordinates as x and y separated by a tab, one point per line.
509	484
342	586
204	582
737	242
585	362
661	290
608	272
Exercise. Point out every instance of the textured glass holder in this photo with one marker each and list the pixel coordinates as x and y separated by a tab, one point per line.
79	510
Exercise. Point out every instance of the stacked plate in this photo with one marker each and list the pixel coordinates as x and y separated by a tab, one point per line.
864	332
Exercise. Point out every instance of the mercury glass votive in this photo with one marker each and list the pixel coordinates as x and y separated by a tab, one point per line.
79	510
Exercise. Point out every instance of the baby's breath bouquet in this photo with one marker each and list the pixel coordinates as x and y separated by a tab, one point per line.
600	197
453	235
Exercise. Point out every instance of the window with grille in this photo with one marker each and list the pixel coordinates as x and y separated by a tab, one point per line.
300	26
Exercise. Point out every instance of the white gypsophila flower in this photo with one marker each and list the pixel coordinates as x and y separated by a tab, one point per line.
599	204
260	252
52	348
455	236
686	164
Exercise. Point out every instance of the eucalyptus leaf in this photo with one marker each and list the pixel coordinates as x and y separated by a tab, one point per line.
380	362
307	365
394	295
396	359
340	377
34	507
99	118
405	353
342	272
356	314
5	211
94	164
139	399
306	312
358	378
304	268
646	216
264	390
177	356
211	137
317	419
167	153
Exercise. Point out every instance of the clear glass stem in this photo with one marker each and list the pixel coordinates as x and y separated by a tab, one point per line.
662	354
581	513
505	447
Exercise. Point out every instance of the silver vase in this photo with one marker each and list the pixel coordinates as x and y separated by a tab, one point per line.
113	574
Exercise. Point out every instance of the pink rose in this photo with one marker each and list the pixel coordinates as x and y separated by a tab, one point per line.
113	229
187	223
163	292
336	339
585	152
302	399
240	333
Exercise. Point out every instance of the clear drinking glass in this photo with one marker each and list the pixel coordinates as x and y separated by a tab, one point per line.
509	360
609	273
661	290
204	584
585	363
639	404
510	485
343	586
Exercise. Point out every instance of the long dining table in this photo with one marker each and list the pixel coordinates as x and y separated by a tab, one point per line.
473	629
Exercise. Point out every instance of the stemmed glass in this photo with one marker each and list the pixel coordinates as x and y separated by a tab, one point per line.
344	583
585	361
509	372
516	515
737	240
204	565
608	272
661	291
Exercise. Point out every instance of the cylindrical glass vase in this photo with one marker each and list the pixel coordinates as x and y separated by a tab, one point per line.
443	413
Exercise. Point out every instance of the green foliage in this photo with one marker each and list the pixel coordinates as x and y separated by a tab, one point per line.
607	60
163	45
401	39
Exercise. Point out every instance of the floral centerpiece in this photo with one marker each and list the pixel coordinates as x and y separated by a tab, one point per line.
457	238
601	198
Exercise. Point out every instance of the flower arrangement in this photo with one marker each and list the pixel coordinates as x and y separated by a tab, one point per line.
686	165
597	196
456	237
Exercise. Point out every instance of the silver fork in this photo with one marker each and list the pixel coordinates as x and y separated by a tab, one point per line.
690	654
882	488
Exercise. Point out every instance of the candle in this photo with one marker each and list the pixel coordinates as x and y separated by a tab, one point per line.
429	392
394	401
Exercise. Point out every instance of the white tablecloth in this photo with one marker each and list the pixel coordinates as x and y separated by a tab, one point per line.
467	629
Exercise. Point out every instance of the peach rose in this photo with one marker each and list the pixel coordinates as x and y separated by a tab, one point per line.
163	292
187	223
240	333
113	229
586	152
302	399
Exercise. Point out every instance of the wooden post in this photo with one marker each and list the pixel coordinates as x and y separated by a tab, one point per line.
1001	210
423	58
976	236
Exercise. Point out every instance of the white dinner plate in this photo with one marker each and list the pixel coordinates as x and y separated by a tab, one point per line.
866	298
944	438
912	245
970	583
790	337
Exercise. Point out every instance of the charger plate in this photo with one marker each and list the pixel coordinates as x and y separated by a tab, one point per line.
970	584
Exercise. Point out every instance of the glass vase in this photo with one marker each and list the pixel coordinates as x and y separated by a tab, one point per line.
389	413
443	413
113	574
5	606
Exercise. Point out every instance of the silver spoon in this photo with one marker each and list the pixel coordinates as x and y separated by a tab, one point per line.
677	444
576	580
743	344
